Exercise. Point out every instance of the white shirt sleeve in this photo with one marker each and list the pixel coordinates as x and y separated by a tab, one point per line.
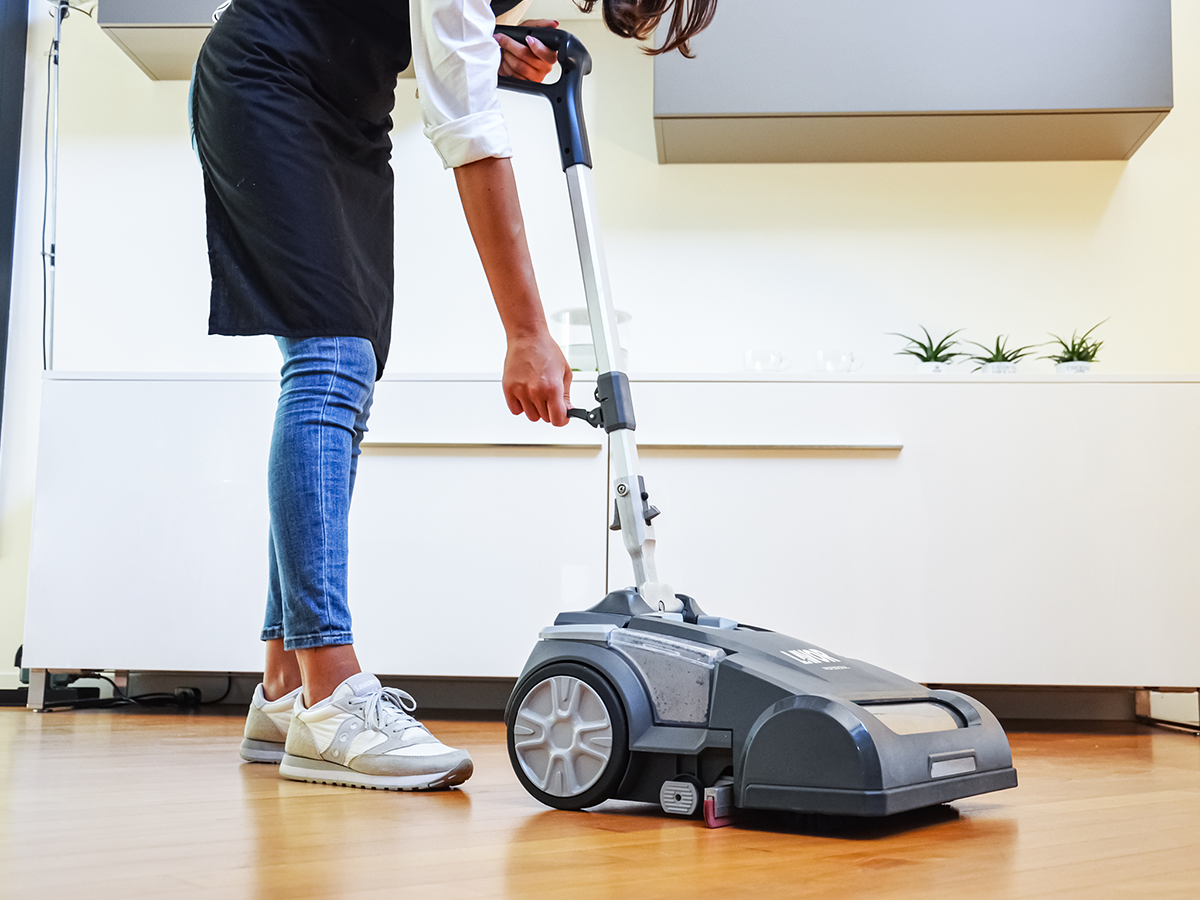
456	59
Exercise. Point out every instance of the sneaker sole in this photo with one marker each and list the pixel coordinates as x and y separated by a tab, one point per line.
261	751
318	771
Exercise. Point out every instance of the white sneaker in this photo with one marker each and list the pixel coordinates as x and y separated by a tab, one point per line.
267	726
363	736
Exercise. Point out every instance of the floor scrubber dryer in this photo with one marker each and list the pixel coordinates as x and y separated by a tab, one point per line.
646	697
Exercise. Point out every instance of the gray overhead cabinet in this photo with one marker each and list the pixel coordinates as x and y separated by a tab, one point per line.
162	36
917	80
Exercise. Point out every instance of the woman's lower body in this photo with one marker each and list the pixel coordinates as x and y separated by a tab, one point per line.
325	393
360	735
290	105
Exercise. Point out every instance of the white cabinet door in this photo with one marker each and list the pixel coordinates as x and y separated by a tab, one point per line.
460	557
149	525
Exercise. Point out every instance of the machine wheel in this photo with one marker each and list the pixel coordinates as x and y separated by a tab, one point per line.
567	736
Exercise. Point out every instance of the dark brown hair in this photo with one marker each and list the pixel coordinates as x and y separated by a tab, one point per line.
639	18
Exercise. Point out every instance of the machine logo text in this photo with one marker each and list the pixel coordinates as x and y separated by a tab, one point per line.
809	657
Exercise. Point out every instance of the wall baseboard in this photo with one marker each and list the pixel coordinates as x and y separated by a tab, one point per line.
436	697
1061	703
485	698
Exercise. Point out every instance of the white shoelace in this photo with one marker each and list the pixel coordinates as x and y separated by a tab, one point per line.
388	710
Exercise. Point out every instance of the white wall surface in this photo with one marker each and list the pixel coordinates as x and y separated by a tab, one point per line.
710	260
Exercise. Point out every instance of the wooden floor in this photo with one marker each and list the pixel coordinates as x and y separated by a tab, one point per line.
111	804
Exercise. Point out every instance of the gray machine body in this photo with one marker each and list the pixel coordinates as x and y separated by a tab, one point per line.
796	727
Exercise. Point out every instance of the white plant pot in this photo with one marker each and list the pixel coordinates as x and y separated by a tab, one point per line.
935	368
998	368
1073	368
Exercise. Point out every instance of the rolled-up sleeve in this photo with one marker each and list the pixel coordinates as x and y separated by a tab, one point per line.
456	59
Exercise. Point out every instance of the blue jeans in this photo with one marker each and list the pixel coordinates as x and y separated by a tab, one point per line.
326	386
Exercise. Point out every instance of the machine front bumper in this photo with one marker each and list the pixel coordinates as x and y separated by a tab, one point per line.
838	801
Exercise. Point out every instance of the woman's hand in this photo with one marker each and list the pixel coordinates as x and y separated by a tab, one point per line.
537	379
531	60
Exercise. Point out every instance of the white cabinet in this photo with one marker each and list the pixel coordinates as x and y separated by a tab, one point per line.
973	530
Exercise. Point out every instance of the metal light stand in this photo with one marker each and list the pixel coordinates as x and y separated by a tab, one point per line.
42	692
50	232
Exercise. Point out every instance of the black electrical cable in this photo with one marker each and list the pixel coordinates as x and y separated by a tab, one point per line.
120	698
228	688
159	698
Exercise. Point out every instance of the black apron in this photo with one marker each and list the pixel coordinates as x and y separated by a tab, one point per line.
291	108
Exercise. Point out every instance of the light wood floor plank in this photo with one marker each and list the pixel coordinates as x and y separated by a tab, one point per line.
128	805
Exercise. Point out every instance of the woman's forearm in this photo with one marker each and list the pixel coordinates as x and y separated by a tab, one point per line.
536	377
489	198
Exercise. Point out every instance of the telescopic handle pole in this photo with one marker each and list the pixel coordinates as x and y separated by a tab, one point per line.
566	99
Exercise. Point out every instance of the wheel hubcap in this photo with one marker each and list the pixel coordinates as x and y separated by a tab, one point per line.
563	736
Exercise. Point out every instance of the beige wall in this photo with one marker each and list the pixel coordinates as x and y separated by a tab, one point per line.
711	260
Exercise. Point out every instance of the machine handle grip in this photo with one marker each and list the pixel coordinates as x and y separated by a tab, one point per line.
565	95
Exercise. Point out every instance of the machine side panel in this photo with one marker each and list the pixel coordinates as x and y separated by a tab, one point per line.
739	696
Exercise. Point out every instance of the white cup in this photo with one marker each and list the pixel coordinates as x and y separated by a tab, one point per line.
764	361
837	361
582	358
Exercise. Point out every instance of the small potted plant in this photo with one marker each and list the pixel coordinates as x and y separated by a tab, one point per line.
1075	357
932	356
999	359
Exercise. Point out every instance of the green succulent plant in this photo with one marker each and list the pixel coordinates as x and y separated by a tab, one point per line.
1000	353
930	350
1078	348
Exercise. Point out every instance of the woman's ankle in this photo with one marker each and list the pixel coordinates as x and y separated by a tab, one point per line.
275	688
281	674
324	668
